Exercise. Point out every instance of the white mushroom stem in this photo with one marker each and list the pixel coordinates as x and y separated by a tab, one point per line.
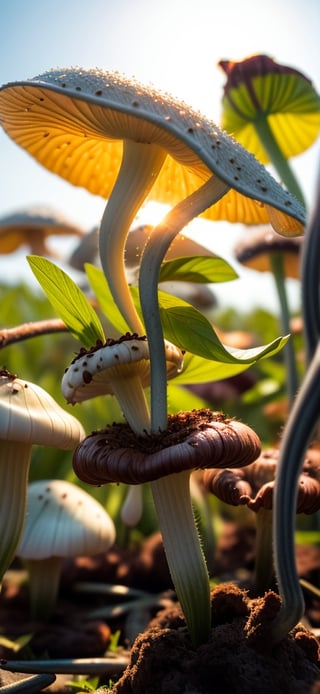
184	552
44	579
140	166
156	248
14	470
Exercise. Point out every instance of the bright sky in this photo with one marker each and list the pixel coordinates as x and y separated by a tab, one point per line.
176	45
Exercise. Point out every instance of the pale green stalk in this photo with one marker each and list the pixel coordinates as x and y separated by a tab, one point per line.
44	578
264	571
171	494
14	471
276	156
292	380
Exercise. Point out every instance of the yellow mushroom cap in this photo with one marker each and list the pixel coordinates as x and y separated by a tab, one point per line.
258	87
74	121
31	226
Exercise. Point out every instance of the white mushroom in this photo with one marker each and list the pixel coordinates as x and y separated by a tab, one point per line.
62	520
28	415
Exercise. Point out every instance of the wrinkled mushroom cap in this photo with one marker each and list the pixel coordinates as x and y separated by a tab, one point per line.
193	440
257	245
68	117
63	520
253	485
31	226
91	373
28	414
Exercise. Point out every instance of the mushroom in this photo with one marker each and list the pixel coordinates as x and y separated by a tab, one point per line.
272	109
92	127
31	227
192	440
253	486
121	367
265	251
62	520
28	416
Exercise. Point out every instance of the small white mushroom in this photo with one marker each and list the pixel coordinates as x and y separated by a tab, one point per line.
62	520
28	415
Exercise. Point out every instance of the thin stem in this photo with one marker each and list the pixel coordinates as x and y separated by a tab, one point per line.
44	578
299	429
184	552
140	166
14	472
264	572
276	260
279	161
157	246
310	282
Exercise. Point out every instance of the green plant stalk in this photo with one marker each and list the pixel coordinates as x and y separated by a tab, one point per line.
154	252
310	281
184	552
44	578
263	570
298	432
276	261
279	161
14	472
171	494
140	166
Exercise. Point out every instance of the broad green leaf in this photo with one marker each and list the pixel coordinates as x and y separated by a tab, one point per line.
199	370
186	327
180	398
102	291
68	301
205	269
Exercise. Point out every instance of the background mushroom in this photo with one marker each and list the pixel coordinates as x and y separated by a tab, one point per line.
273	110
62	520
263	250
253	486
31	227
28	416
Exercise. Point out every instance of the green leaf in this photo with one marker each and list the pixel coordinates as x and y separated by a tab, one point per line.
204	269
102	291
68	301
186	327
199	370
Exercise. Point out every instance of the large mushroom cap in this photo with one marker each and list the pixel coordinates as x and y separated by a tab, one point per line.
192	440
31	226
28	414
63	520
73	121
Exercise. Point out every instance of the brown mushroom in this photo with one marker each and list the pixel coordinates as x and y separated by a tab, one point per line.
253	486
31	227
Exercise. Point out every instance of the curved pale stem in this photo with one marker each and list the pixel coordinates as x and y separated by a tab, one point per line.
299	429
139	169
156	248
276	260
14	472
184	552
279	161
